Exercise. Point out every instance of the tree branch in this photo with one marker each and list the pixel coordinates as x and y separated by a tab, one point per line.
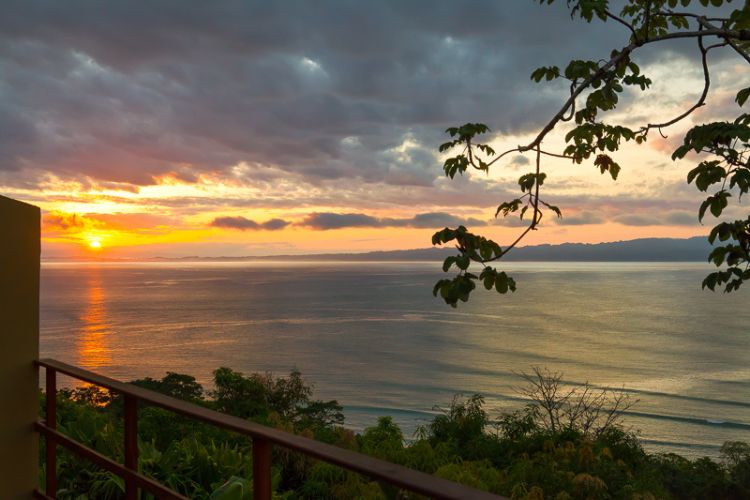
738	49
701	100
712	31
623	22
537	217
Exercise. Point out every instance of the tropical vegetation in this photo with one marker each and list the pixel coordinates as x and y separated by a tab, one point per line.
564	444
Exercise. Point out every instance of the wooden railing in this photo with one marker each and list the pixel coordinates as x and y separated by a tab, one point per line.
263	440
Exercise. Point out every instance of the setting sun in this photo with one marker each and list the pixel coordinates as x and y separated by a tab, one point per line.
95	244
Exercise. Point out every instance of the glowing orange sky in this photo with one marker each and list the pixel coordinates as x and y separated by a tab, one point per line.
158	220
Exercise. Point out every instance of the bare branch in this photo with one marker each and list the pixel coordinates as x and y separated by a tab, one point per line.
585	409
556	155
706	23
701	100
537	217
623	22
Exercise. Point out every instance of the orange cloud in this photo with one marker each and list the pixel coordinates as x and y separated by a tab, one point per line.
60	221
132	221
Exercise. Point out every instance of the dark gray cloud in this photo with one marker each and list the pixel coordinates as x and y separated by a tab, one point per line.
580	219
670	218
511	220
519	161
682	218
125	92
434	219
275	224
328	220
244	224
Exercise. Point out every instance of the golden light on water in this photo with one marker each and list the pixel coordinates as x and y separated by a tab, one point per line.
94	336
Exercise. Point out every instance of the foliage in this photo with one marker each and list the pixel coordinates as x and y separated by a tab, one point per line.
174	384
596	87
519	454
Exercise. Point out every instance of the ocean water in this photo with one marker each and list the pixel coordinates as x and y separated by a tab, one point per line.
372	336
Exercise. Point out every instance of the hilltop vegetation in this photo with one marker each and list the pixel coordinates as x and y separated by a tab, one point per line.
563	445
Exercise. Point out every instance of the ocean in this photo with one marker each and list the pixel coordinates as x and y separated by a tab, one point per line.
372	336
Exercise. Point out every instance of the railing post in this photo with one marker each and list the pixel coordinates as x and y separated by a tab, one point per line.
131	444
19	348
262	488
51	422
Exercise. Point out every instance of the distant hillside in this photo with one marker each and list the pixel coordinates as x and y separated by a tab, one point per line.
640	250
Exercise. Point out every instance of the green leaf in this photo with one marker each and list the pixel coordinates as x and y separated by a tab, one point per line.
462	262
447	263
501	283
718	202
508	207
236	488
742	96
702	210
489	282
717	256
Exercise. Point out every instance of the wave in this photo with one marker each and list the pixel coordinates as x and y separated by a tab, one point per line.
389	410
428	414
691	420
698	399
516	397
711	449
669	395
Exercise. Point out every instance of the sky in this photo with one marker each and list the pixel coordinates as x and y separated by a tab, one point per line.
185	128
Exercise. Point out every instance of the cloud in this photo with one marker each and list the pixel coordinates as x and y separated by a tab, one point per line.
682	218
140	223
328	220
204	88
670	218
519	161
132	221
580	219
512	220
275	224
435	219
62	221
244	224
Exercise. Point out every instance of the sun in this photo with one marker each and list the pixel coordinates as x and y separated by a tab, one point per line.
95	244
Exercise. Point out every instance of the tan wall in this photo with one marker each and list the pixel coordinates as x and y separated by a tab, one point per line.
19	346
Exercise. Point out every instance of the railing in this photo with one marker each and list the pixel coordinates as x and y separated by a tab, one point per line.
263	439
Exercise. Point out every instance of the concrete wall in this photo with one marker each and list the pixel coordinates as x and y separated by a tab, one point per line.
19	347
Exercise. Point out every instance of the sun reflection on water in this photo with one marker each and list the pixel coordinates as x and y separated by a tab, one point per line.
94	350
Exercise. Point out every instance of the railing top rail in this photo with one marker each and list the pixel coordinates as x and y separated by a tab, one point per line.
398	475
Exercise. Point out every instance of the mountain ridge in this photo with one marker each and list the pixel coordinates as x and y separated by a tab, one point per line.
693	249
